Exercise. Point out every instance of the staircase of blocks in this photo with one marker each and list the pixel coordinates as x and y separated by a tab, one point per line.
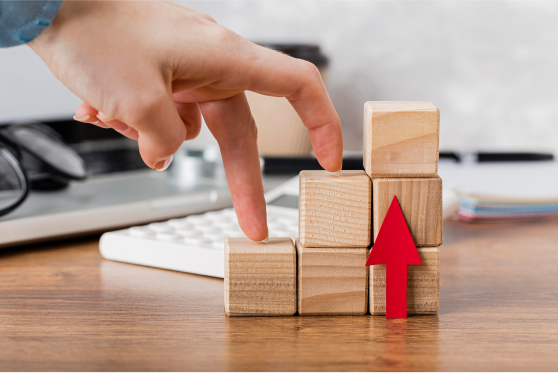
323	272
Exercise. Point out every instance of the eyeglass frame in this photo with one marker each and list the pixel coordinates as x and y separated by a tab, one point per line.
9	145
21	173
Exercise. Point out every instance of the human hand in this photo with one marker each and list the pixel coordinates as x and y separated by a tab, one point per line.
149	70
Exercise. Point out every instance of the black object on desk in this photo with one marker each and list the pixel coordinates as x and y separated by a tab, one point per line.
478	157
103	151
293	165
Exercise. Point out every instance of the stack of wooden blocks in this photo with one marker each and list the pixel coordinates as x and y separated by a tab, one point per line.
324	272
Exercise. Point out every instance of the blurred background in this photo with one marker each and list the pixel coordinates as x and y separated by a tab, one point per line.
490	66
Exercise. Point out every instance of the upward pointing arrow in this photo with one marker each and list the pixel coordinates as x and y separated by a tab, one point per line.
394	247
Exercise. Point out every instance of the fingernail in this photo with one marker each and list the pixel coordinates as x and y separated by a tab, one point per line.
265	240
337	173
83	119
164	164
101	115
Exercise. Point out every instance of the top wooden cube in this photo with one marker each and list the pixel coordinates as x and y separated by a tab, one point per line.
401	139
334	211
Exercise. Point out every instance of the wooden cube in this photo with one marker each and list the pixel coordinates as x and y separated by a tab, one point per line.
421	203
423	285
332	281
401	138
260	279
334	211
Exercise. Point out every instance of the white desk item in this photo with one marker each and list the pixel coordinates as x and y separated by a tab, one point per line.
193	244
503	191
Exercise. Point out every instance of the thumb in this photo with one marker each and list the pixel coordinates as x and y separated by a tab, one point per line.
161	131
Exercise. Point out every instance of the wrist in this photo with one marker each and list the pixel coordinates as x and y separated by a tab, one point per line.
70	12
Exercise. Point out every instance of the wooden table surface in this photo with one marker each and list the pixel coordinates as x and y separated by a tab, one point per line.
62	307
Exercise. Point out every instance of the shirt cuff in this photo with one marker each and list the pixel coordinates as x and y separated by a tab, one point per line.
23	21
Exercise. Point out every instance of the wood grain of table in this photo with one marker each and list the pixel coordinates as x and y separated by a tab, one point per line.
63	307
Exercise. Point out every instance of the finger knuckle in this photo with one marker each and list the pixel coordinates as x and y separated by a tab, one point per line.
199	17
229	37
312	71
252	130
209	18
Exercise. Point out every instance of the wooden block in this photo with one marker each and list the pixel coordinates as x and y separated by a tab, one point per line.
421	203
423	285
334	211
260	279
401	138
332	281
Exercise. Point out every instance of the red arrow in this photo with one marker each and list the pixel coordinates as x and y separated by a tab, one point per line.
394	247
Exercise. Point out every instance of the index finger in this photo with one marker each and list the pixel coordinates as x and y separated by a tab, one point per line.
231	123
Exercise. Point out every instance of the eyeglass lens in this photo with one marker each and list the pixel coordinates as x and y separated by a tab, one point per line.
12	187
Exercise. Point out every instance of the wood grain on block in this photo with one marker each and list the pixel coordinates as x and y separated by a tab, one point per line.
260	279
401	138
332	281
334	211
421	203
423	285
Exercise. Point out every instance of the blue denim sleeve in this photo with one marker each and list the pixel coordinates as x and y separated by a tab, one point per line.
23	21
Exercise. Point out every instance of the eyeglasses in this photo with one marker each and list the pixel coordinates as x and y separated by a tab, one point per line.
34	146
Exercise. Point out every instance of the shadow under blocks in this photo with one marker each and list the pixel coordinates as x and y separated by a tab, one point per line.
340	216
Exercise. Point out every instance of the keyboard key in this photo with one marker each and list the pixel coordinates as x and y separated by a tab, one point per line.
160	227
227	225
140	232
168	236
229	212
238	233
180	223
216	236
189	232
198	220
198	241
221	218
234	220
208	228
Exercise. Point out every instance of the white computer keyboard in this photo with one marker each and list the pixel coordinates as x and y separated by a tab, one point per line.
193	244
